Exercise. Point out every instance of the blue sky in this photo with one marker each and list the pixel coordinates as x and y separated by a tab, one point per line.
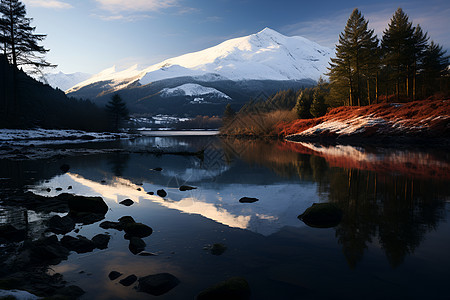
91	35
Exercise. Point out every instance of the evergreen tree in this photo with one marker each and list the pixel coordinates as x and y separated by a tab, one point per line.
398	47
19	42
435	65
229	114
318	106
302	106
354	60
420	43
117	111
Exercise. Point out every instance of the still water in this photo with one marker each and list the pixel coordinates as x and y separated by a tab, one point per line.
392	243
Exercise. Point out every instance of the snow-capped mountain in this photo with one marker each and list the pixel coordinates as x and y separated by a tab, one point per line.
253	66
266	55
64	81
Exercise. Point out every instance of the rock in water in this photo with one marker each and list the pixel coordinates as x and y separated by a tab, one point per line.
161	193
157	284
218	249
87	210
322	215
235	288
79	244
101	241
137	230
187	188
127	202
60	225
113	275
137	245
129	280
248	200
157	169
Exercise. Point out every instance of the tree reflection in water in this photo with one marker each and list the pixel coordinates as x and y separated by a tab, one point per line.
390	198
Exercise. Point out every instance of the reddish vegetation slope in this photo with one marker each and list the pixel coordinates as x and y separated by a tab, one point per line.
413	164
426	118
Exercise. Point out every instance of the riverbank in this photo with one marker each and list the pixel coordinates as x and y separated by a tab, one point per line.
419	122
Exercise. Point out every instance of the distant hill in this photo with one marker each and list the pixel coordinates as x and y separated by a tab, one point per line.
26	102
64	81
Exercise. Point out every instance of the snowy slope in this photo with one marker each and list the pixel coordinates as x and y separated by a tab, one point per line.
261	56
266	55
64	81
192	90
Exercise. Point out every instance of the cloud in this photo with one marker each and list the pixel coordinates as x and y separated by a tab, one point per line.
325	31
118	17
118	6
53	4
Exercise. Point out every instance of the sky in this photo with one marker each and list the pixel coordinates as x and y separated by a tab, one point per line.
92	35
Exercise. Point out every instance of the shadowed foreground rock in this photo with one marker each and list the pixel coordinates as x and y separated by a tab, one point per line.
161	193
87	210
187	188
127	202
61	225
248	200
113	275
235	288
322	215
157	284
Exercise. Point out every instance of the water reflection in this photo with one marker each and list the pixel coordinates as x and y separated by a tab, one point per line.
390	198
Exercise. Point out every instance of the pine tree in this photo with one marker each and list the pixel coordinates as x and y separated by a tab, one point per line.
117	111
435	64
19	42
318	107
229	114
354	60
302	106
398	47
420	44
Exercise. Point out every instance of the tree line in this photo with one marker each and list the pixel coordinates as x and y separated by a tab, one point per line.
25	102
403	65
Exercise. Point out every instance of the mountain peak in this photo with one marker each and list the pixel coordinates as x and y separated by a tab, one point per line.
269	31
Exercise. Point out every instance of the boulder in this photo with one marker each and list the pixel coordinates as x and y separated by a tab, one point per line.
129	280
161	193
61	225
111	225
80	244
235	288
88	204
44	251
101	241
113	275
248	200
87	210
187	188
137	230
157	284
322	215
127	202
218	249
126	220
137	245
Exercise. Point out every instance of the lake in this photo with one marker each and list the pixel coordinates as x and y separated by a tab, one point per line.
392	243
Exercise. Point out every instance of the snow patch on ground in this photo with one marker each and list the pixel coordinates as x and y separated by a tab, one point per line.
40	136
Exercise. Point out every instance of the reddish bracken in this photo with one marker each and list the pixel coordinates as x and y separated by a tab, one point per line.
430	115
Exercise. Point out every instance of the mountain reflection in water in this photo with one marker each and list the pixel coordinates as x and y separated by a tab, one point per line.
392	240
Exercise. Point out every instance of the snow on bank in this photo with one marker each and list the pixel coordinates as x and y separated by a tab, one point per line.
45	135
426	118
